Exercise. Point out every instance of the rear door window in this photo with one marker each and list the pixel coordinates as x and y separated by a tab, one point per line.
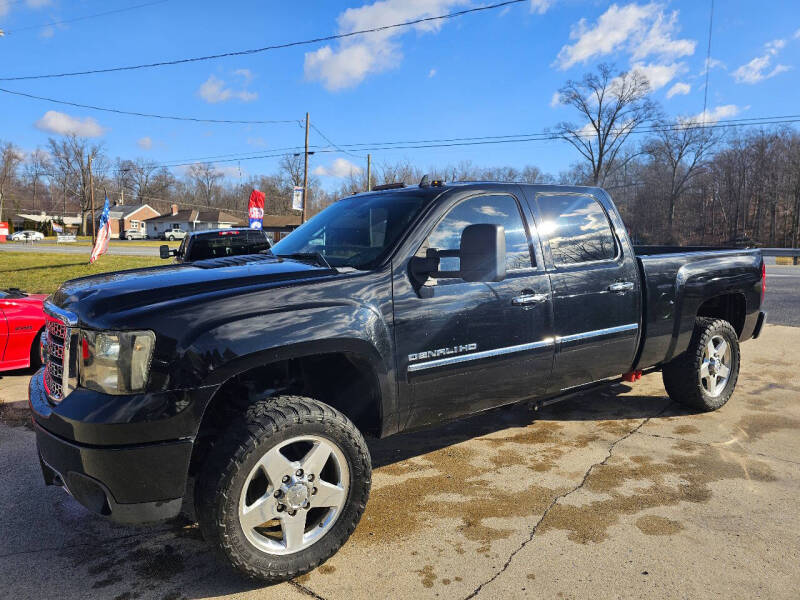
577	229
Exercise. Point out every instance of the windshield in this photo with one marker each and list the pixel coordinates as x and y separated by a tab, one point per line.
354	232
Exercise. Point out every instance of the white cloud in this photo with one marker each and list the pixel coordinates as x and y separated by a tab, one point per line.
355	58
145	143
658	75
759	69
258	142
47	32
431	73
719	112
247	74
679	89
796	35
214	90
541	6
5	5
341	167
642	30
64	124
555	100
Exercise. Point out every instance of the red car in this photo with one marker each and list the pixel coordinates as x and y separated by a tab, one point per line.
21	325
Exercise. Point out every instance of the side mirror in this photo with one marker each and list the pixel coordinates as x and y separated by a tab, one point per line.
483	253
482	257
165	252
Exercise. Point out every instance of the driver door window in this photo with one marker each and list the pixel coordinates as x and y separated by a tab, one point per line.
493	210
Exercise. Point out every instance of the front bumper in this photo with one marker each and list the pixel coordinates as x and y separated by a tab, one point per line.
130	483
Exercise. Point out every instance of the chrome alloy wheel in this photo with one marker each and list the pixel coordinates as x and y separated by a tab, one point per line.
716	366
294	494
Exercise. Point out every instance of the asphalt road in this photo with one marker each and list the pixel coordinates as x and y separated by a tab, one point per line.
620	493
782	300
51	248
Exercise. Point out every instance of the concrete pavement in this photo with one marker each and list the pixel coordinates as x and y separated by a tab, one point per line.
619	493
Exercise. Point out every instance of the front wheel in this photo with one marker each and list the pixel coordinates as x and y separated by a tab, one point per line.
704	376
172	238
284	488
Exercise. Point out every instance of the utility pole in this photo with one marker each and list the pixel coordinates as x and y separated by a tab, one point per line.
369	172
305	175
91	193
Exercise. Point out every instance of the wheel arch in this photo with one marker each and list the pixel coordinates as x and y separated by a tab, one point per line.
349	375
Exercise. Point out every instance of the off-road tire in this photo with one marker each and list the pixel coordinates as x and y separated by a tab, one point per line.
265	424
682	375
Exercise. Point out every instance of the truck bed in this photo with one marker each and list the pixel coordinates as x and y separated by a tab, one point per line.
675	283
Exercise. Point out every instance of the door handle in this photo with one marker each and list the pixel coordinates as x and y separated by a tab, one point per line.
528	299
621	287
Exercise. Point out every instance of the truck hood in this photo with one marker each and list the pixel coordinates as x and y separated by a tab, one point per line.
97	299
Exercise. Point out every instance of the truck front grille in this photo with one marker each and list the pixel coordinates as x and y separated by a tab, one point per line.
58	335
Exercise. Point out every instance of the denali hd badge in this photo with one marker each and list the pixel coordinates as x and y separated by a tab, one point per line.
442	352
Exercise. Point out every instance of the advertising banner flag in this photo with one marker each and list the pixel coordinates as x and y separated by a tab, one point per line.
57	228
256	209
297	198
103	235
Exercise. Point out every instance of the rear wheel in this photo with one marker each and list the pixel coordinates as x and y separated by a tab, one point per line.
704	376
284	488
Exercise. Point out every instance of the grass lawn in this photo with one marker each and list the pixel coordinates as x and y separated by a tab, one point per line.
43	273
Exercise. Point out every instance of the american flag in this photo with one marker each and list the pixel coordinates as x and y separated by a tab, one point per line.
103	234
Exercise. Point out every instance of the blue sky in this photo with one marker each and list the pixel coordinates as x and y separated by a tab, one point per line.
490	73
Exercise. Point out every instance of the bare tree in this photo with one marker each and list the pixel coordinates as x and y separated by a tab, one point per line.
70	157
36	167
681	150
291	169
206	178
611	107
10	157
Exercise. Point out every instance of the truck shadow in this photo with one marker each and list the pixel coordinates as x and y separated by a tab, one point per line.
601	404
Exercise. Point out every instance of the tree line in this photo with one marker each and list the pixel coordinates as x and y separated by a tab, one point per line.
686	181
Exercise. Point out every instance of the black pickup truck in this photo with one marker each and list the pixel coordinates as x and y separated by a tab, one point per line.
253	379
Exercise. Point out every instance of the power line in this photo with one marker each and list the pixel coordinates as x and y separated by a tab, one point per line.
708	59
268	48
327	139
86	17
460	142
147	115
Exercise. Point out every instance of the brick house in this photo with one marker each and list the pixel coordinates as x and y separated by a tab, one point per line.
190	220
123	217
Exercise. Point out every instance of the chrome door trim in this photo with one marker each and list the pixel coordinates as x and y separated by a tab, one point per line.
478	355
597	333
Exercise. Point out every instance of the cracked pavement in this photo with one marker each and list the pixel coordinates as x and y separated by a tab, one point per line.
618	492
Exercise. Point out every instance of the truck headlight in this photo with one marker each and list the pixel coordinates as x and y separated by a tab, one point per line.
115	362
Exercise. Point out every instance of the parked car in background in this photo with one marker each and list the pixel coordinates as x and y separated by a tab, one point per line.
27	235
173	234
218	243
134	234
21	324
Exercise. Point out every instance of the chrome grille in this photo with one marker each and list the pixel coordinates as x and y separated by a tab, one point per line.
57	357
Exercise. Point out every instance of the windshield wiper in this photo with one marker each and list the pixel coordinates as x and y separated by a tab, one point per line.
315	256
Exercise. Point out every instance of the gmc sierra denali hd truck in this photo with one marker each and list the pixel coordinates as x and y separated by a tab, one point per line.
248	382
